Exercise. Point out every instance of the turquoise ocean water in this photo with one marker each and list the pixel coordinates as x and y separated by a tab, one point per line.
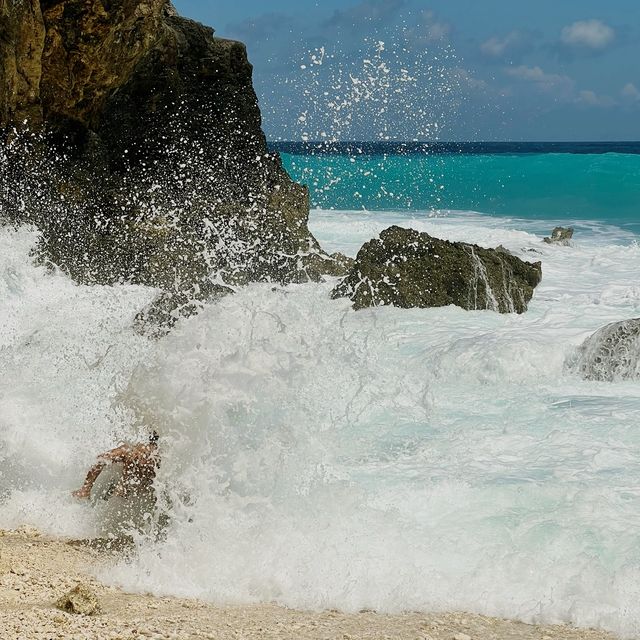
595	182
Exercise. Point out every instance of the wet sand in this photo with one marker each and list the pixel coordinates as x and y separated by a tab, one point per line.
36	570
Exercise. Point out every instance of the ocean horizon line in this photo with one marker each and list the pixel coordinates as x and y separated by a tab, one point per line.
365	147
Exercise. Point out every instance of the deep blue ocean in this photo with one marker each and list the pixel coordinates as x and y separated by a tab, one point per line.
576	181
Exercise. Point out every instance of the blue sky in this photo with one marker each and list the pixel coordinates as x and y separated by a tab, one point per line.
447	69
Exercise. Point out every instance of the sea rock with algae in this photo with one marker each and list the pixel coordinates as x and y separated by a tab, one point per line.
560	236
407	268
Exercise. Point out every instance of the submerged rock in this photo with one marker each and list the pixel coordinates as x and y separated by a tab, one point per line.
406	268
560	235
81	600
611	353
133	140
158	318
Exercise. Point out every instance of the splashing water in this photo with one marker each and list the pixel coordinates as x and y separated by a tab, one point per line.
358	97
357	93
390	459
480	278
424	459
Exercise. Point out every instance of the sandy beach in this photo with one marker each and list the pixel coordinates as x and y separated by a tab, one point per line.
35	571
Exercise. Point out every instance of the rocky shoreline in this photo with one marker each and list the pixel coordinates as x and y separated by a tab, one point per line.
36	570
132	138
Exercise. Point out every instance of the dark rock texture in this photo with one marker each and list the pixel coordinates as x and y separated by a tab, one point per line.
560	235
406	268
149	164
611	353
21	45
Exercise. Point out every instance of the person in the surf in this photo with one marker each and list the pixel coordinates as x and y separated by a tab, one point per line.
139	462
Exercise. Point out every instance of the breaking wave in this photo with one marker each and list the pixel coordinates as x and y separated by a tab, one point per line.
318	457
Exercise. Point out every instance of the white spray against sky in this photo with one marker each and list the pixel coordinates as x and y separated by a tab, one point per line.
359	97
318	457
354	92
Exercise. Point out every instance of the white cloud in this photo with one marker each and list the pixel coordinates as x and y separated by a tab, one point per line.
466	78
561	87
495	47
631	92
438	31
588	34
549	82
592	99
426	29
532	74
514	43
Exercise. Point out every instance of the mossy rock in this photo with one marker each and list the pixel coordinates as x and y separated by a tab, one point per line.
139	152
406	268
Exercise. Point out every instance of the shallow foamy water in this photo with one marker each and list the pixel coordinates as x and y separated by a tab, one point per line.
388	459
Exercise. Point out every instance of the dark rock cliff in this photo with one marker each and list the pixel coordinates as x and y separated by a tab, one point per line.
149	164
21	46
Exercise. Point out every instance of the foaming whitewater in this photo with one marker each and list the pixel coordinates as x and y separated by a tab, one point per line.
65	350
391	459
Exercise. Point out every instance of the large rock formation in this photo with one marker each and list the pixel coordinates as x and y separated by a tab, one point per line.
611	353
149	164
406	268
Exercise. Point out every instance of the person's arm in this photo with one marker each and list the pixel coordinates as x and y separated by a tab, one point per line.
115	455
92	476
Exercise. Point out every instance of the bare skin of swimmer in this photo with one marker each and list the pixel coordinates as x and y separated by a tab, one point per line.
140	464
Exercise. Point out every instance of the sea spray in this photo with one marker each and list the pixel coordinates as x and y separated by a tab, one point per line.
64	351
317	457
355	89
468	480
400	460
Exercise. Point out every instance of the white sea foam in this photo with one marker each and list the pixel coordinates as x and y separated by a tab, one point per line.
318	457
